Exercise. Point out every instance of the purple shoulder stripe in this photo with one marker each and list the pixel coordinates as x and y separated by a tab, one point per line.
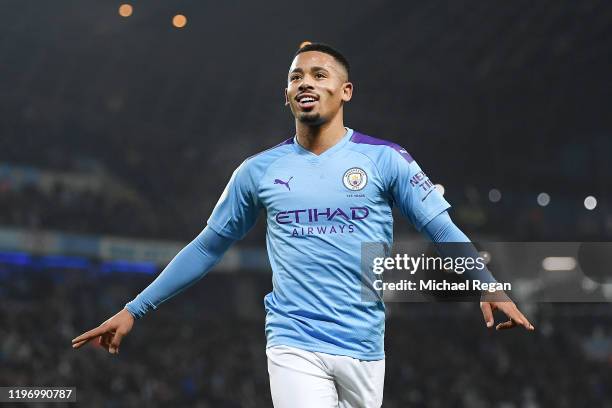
286	142
365	139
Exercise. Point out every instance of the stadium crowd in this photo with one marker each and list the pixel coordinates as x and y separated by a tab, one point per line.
92	212
198	350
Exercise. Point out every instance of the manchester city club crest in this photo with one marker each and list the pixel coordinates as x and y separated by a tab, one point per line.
355	179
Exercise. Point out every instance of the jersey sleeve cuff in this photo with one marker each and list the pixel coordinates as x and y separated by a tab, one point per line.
220	230
431	215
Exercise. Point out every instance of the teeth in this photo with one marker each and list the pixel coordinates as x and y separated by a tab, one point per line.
307	100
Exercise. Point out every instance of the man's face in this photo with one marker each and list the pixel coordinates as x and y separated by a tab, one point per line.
317	86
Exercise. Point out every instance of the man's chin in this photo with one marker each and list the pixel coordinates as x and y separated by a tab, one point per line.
311	118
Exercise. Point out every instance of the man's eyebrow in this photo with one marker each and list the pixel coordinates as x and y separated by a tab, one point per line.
318	69
312	69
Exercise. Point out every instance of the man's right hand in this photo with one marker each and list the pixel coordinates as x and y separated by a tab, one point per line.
109	333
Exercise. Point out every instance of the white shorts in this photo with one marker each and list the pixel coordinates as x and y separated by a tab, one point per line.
305	379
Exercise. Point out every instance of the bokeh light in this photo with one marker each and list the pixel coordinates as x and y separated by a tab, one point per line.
494	195
179	21
125	10
543	199
590	203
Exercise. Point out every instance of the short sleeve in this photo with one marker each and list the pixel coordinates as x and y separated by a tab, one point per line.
237	208
411	190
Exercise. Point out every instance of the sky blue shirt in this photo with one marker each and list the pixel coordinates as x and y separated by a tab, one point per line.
320	209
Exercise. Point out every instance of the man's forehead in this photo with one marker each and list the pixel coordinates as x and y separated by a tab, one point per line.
308	59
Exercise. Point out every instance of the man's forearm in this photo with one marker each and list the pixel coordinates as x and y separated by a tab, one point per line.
187	267
450	241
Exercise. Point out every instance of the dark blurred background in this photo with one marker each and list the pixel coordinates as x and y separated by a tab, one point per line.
119	133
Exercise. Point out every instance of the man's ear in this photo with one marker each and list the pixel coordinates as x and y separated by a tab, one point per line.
347	91
286	98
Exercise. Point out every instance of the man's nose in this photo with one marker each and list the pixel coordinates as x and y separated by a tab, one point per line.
305	85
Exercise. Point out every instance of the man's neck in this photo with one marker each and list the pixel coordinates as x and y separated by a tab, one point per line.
318	139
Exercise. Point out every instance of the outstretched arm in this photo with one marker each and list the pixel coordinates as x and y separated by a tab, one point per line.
441	229
233	216
419	200
187	267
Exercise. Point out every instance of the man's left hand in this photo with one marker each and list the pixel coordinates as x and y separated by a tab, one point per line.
500	301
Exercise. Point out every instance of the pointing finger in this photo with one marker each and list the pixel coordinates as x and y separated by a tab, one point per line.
513	313
81	343
519	318
526	324
90	334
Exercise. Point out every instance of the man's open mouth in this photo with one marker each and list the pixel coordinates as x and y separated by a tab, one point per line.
307	100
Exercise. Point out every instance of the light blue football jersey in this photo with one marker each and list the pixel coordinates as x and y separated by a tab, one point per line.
320	209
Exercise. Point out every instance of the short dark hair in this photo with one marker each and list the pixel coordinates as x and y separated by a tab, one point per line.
327	49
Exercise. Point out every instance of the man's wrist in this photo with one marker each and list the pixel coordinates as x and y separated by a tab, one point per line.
132	313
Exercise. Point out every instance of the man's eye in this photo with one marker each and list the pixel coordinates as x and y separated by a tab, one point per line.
319	75
294	77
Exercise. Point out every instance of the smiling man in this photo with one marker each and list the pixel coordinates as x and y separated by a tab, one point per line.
325	191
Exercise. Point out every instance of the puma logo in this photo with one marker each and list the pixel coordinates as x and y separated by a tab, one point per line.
285	183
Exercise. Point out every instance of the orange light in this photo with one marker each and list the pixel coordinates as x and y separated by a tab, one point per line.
125	10
304	43
179	21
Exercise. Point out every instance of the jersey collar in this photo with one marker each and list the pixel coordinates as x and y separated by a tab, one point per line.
339	145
